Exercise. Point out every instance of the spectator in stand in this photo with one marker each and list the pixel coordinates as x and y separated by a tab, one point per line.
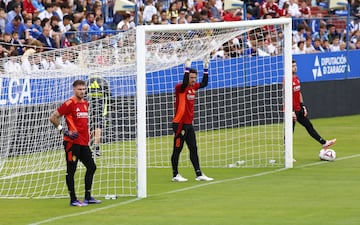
332	33
173	20
15	41
36	28
355	37
335	46
85	35
97	9
19	26
149	10
66	24
300	34
172	11
309	48
124	24
305	10
316	22
99	29
232	15
89	6
215	13
284	12
63	10
307	32
355	23
90	20
13	13
46	39
294	9
254	7
357	45
189	18
249	14
355	9
317	45
79	11
182	15
2	20
163	17
29	8
300	48
4	52
159	7
325	44
204	17
28	24
12	66
38	5
48	12
55	30
321	34
342	46
269	7
155	19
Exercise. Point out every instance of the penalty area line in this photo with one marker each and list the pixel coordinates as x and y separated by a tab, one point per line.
188	188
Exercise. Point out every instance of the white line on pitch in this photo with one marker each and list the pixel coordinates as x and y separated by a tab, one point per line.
185	189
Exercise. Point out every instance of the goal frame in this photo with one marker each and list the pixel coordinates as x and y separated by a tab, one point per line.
141	86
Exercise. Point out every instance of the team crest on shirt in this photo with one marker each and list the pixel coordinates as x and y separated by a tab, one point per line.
191	94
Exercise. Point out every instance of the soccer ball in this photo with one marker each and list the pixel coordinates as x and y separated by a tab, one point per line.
327	154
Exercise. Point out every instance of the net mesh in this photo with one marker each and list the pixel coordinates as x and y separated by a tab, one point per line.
238	116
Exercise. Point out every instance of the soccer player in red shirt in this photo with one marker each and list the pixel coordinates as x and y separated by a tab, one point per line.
300	112
182	122
76	141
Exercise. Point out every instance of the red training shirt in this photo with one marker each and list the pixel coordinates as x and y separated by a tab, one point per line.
76	116
184	105
296	93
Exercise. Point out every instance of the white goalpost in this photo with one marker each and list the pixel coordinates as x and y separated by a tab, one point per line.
240	119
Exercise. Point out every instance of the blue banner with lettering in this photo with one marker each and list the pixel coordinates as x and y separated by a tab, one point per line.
328	66
235	72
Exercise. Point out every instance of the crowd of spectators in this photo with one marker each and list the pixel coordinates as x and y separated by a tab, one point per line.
53	24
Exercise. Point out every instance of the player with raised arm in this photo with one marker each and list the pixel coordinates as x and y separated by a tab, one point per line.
300	112
76	141
182	122
98	95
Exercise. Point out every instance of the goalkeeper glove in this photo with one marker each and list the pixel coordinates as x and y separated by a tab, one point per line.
206	65
64	131
187	64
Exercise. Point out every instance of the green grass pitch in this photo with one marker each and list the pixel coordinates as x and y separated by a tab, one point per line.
311	193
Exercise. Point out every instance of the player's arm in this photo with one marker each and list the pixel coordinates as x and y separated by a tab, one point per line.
185	82
303	107
55	120
205	79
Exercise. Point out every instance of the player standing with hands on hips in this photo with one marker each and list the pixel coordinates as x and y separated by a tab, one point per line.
300	112
76	141
182	122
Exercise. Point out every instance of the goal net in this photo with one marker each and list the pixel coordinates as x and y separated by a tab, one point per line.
239	116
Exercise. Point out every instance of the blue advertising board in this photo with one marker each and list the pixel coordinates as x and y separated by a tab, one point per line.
234	72
328	66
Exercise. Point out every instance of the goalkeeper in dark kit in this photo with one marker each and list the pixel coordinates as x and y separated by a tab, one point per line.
98	96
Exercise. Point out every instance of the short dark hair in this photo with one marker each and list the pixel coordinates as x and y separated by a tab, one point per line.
191	70
78	83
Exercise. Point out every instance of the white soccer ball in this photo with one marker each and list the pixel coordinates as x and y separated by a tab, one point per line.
327	154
